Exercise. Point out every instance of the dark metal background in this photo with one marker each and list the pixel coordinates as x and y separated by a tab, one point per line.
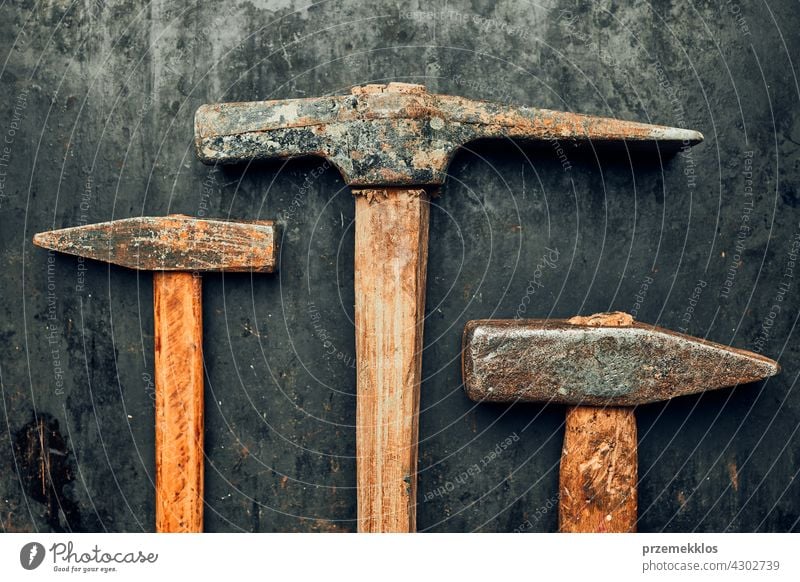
96	113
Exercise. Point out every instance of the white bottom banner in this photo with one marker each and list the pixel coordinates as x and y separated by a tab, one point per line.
425	557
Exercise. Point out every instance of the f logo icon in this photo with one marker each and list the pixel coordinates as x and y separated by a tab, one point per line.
31	555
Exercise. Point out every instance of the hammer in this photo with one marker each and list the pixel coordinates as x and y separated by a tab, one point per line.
392	144
177	248
602	366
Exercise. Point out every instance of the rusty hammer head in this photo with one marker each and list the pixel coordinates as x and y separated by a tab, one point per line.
397	134
171	243
604	360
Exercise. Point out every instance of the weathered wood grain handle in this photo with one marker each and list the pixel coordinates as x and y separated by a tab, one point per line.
599	470
391	253
179	401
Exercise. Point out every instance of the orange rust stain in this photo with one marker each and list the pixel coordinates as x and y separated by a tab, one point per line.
391	176
733	473
613	318
681	500
417	110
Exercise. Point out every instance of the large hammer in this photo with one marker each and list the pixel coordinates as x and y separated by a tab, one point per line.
602	366
392	144
177	248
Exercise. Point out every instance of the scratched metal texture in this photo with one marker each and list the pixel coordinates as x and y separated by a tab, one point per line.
96	115
565	362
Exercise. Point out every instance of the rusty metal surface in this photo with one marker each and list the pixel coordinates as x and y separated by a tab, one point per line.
397	134
283	443
171	243
582	363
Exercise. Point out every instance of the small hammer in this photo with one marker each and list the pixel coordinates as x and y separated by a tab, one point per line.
392	144
602	366
177	248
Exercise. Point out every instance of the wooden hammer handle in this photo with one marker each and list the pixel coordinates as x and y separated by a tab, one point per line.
598	474
179	401
391	250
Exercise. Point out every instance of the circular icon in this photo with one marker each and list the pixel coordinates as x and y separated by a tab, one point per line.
31	555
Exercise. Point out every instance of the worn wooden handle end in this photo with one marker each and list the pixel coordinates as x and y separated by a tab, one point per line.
599	469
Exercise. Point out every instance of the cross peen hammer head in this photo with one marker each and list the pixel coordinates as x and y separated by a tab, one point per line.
397	134
171	243
604	360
